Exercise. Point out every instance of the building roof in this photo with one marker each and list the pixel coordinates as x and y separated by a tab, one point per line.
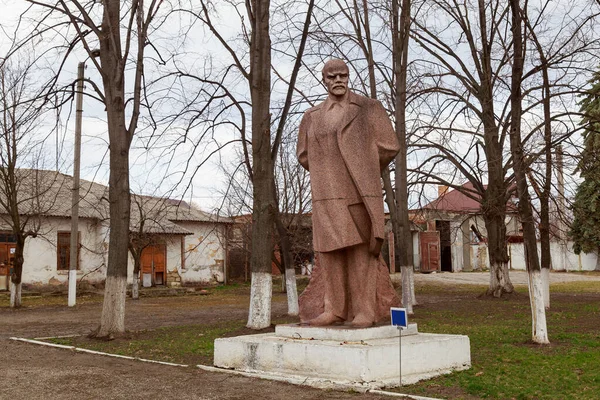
455	200
48	193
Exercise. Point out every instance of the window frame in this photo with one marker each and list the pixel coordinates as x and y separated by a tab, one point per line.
67	234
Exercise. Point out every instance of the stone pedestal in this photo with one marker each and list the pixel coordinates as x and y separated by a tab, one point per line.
367	357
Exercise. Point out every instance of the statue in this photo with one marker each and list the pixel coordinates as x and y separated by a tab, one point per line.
345	142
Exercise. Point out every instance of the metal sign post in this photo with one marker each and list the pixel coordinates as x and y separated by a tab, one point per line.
399	320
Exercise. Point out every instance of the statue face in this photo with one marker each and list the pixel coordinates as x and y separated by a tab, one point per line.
336	80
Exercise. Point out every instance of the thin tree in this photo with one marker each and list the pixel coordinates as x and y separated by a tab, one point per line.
21	190
120	31
402	232
536	295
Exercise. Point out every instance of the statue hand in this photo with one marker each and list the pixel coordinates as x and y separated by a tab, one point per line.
375	246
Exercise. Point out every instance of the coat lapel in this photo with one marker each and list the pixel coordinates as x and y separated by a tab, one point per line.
351	113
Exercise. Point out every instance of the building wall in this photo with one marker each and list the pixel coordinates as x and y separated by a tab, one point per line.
563	257
204	253
40	254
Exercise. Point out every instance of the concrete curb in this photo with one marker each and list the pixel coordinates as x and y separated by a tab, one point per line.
313	382
394	394
81	350
296	380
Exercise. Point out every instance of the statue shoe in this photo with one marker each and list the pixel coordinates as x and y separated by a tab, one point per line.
361	321
325	319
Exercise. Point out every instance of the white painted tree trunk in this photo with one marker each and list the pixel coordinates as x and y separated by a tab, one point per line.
546	286
72	297
412	286
538	311
15	295
261	291
292	292
499	280
113	309
407	300
135	288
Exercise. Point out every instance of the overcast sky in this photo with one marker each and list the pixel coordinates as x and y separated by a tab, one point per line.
149	166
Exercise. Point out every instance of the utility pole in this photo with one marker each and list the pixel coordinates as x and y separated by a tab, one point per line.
74	244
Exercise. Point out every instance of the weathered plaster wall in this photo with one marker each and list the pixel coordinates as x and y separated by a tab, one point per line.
563	257
204	253
40	254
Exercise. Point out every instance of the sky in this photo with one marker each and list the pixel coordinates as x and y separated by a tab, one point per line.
149	163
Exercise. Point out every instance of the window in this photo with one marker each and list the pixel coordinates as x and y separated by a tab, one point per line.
63	251
7	237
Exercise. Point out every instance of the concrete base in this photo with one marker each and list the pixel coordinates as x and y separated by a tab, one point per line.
345	356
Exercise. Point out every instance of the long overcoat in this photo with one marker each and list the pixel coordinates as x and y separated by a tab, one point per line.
367	143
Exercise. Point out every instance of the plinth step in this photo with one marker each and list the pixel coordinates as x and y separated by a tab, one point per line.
367	358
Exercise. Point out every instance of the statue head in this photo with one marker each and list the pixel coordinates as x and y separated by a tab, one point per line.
335	77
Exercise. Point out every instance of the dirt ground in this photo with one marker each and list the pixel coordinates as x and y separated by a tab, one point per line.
36	372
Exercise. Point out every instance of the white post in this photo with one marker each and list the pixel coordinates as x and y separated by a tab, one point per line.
74	244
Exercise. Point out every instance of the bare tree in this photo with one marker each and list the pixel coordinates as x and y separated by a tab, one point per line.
247	65
538	312
116	32
465	102
26	193
148	220
467	106
402	232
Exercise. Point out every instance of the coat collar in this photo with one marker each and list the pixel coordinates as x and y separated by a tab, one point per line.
355	102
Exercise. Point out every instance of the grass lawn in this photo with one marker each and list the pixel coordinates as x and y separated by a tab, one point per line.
506	364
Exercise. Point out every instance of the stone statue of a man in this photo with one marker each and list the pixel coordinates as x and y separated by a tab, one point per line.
345	142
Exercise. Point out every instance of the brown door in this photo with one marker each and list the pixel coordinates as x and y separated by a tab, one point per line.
154	262
430	251
7	256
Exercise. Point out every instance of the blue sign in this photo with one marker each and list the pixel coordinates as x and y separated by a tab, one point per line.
399	317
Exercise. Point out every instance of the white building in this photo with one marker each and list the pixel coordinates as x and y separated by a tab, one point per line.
186	245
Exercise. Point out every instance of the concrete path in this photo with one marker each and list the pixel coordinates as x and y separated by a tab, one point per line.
483	278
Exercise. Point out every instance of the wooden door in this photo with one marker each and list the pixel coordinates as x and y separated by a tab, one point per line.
7	258
154	262
430	251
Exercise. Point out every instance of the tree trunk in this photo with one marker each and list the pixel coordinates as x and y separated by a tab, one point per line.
411	280
494	222
115	292
288	263
292	291
15	294
17	274
113	310
546	286
539	330
536	292
135	285
259	315
403	236
546	259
